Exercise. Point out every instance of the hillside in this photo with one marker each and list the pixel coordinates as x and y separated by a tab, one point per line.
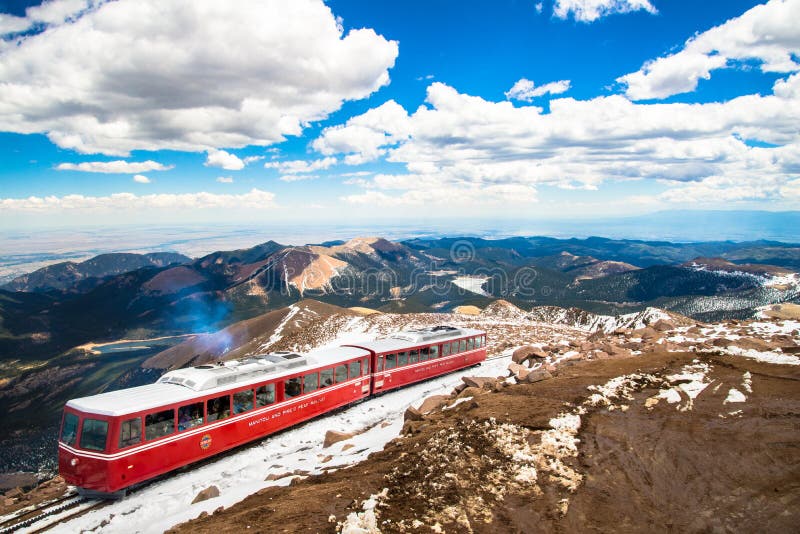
79	277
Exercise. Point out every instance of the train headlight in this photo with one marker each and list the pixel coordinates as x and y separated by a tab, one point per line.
73	462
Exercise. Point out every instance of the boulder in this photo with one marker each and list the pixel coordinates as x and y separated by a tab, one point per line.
471	392
412	414
662	325
752	343
601	355
13	493
478	381
333	436
519	371
208	493
537	376
277	476
347	446
527	352
722	342
431	403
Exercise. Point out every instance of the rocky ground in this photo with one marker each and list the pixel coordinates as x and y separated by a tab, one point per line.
646	422
668	426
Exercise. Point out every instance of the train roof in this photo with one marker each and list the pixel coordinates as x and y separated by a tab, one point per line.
186	384
421	336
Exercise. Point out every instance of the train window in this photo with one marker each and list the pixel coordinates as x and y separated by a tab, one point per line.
355	369
463	345
380	364
454	347
190	416
446	349
424	354
265	395
292	387
243	401
478	342
365	365
70	429
470	344
130	432
218	408
326	378
341	373
391	361
93	434
310	382
413	356
159	424
434	352
402	358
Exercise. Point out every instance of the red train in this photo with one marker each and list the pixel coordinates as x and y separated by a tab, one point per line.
114	440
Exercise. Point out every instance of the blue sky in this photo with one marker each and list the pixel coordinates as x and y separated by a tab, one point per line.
350	111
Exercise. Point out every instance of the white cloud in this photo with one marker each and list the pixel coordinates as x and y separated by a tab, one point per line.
591	10
141	179
223	160
539	7
464	149
298	177
47	13
150	75
366	136
129	202
225	179
301	166
524	89
767	33
252	159
114	167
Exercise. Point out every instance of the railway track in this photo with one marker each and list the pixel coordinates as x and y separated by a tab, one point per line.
45	515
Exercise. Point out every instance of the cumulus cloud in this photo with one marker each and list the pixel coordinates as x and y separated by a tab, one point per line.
141	179
301	166
591	10
462	148
114	167
145	74
129	202
223	160
524	89
766	33
225	179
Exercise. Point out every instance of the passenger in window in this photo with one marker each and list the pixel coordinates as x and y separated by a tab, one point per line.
292	387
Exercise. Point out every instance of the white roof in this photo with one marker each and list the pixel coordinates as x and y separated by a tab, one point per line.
187	384
424	336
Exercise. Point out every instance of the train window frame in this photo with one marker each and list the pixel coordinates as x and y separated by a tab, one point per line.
380	364
470	343
309	385
90	433
165	422
326	378
391	357
413	356
402	358
265	397
445	349
454	347
424	354
337	376
434	352
130	441
354	368
192	410
289	384
223	411
73	437
462	345
243	394
365	366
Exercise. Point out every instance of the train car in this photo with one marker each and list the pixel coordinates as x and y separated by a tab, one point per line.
111	441
415	355
117	439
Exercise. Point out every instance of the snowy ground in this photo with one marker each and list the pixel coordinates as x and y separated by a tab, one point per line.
166	503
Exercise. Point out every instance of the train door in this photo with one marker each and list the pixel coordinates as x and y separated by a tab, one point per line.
375	367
